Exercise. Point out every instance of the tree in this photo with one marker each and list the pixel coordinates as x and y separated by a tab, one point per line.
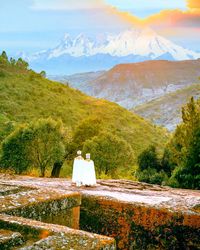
109	152
185	147
166	162
69	150
87	129
43	74
149	159
38	144
22	64
14	151
12	61
46	146
4	56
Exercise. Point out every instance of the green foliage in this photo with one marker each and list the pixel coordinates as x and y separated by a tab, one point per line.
12	61
87	129
166	162
151	168
26	96
146	174
148	159
150	175
38	144
22	64
14	151
4	57
185	147
6	127
43	74
110	153
159	178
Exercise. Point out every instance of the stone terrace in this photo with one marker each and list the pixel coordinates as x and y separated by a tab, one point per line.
137	215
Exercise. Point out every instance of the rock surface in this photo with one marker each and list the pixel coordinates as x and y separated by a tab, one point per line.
137	215
46	216
123	190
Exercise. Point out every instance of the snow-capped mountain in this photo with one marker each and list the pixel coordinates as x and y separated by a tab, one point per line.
86	54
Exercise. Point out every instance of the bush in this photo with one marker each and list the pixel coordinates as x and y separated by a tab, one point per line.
145	175
159	178
150	175
149	159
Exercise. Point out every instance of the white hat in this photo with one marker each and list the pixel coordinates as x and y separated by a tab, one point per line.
87	156
79	152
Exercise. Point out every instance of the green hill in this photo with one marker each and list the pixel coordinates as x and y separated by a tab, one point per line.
25	95
166	110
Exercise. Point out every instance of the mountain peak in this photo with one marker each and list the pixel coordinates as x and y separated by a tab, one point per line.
66	36
132	45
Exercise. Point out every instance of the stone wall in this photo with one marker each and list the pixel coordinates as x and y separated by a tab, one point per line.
137	215
44	218
140	227
39	235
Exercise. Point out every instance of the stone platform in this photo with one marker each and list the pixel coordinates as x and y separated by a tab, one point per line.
137	215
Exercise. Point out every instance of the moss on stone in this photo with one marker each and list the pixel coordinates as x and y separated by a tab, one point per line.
139	227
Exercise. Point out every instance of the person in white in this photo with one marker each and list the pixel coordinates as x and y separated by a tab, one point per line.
78	167
88	174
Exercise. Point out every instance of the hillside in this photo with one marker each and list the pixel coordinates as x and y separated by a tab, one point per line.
166	110
136	83
25	95
77	81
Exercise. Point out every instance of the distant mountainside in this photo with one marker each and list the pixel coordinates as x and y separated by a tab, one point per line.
78	81
133	84
81	54
25	95
166	111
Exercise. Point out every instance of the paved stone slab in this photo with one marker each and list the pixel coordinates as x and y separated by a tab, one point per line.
142	193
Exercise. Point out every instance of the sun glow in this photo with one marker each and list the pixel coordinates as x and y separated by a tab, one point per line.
187	15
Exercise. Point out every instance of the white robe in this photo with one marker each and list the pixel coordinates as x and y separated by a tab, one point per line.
88	174
78	167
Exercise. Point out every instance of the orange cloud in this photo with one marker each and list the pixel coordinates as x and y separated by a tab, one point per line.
193	4
189	18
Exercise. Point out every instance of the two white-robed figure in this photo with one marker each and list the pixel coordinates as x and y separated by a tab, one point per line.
83	171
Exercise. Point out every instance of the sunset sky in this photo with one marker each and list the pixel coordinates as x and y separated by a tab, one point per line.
32	25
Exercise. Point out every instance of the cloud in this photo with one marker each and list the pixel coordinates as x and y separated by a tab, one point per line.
193	4
144	8
57	5
165	18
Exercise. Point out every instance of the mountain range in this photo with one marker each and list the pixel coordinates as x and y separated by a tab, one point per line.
138	84
83	54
